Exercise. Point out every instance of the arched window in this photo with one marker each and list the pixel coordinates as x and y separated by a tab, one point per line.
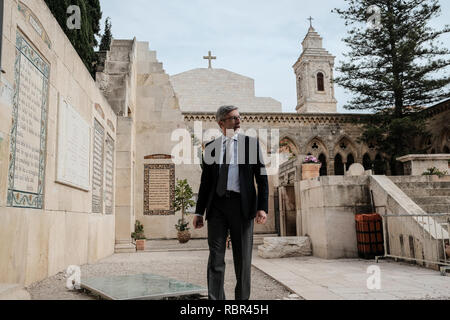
338	166
323	168
350	161
320	82
367	163
379	166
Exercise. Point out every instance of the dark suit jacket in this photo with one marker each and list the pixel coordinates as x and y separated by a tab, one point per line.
251	168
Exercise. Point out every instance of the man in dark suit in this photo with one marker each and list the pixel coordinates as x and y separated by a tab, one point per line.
231	164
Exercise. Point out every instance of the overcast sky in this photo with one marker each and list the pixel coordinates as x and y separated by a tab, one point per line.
260	39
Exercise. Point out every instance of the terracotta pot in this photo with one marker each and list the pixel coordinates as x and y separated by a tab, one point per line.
184	236
140	245
310	170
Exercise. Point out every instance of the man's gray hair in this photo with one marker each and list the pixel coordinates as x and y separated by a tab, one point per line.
223	111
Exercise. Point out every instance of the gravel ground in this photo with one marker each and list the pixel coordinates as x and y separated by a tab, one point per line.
188	266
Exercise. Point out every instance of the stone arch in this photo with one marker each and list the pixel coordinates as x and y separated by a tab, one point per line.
316	146
320	81
287	149
345	146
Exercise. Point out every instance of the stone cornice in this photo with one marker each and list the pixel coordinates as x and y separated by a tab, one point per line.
310	118
282	118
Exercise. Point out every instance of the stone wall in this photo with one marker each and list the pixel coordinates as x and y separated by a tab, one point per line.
158	119
328	208
61	228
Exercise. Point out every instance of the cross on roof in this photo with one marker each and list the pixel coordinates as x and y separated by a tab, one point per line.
310	21
209	57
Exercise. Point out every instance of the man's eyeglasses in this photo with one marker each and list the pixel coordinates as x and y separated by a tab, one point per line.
233	118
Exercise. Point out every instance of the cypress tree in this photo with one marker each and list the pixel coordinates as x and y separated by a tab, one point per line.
83	40
105	43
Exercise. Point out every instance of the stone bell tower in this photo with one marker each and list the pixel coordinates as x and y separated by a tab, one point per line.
314	74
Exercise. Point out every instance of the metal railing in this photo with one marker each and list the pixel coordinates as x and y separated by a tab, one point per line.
421	238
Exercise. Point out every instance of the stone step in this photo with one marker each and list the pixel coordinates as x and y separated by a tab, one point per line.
435	208
14	291
400	179
424	185
124	248
432	200
427	192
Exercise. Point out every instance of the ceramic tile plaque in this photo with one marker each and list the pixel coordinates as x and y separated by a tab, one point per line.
97	169
73	147
26	173
159	189
109	175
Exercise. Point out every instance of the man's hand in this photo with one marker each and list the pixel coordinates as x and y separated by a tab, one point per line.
261	217
198	222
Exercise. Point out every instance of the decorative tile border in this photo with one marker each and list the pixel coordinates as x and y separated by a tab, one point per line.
98	168
147	168
31	18
21	198
109	175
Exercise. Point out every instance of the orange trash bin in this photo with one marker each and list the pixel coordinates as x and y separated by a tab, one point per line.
369	235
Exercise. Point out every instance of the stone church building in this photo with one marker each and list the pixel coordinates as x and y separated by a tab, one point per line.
81	159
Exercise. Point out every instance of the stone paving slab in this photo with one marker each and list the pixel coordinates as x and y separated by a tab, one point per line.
346	279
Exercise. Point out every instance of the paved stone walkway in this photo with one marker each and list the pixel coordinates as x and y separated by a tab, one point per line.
188	266
346	279
310	278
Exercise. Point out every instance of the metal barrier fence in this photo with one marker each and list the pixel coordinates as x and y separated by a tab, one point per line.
419	238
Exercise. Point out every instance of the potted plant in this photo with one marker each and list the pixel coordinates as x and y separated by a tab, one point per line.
434	172
183	201
310	168
138	235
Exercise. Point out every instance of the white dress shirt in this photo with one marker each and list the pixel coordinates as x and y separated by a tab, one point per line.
233	169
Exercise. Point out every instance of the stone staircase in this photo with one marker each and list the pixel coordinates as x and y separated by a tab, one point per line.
432	196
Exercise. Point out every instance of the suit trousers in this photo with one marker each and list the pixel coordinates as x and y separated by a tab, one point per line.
225	215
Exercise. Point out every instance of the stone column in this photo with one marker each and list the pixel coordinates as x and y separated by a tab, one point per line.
125	217
298	208
281	195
